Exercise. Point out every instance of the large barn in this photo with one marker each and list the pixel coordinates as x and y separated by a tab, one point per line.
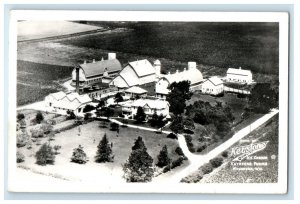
91	74
239	76
137	73
191	74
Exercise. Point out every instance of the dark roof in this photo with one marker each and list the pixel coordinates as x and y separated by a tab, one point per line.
97	68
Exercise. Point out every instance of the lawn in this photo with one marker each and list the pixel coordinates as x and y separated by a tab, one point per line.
89	138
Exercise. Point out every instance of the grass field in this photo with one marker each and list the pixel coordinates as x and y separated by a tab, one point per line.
90	136
36	80
250	45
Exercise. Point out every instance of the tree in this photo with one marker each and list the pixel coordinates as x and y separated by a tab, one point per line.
20	157
140	115
107	112
263	98
87	116
20	116
188	123
70	115
39	117
45	155
177	125
180	92
56	148
88	108
114	126
104	152
139	166
118	97
138	144
79	156
100	104
154	119
163	157
22	139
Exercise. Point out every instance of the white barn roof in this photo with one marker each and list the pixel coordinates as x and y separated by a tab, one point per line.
239	71
193	75
215	80
136	90
58	95
142	67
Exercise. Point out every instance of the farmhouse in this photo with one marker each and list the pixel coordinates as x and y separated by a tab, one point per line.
61	102
91	74
134	92
239	75
137	73
150	106
213	86
191	74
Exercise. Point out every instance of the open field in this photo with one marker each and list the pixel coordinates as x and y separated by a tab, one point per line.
29	30
249	45
268	174
90	136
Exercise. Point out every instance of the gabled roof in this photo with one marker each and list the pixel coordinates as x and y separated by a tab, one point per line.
58	95
240	71
214	80
142	67
154	104
193	75
136	90
81	98
98	67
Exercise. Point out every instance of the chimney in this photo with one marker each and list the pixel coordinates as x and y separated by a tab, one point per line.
177	71
102	59
169	73
184	69
77	79
192	65
84	62
94	60
240	68
112	56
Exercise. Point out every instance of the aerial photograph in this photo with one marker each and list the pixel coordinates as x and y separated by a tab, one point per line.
155	102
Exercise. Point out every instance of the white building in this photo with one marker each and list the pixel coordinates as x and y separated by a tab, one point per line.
61	102
135	91
91	74
213	86
239	75
137	73
150	106
191	74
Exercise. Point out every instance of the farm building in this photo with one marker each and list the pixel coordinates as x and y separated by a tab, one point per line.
213	86
137	73
61	102
239	75
91	74
134	92
191	74
150	106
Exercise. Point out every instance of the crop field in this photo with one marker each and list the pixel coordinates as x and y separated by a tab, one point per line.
35	80
268	174
89	138
249	45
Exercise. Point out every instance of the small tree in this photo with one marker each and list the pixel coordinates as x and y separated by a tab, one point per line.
154	120
79	156
104	152
22	138
114	126
140	115
87	116
163	157
70	115
139	166
138	144
20	116
177	125
45	155
56	148
39	117
119	97
20	157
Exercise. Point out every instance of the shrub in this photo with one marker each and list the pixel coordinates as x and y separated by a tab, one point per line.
201	148
20	157
87	116
22	139
20	116
194	178
172	136
56	148
163	157
79	156
177	162
166	168
207	168
189	143
216	162
104	151
88	108
114	126
179	151
45	155
39	117
225	154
